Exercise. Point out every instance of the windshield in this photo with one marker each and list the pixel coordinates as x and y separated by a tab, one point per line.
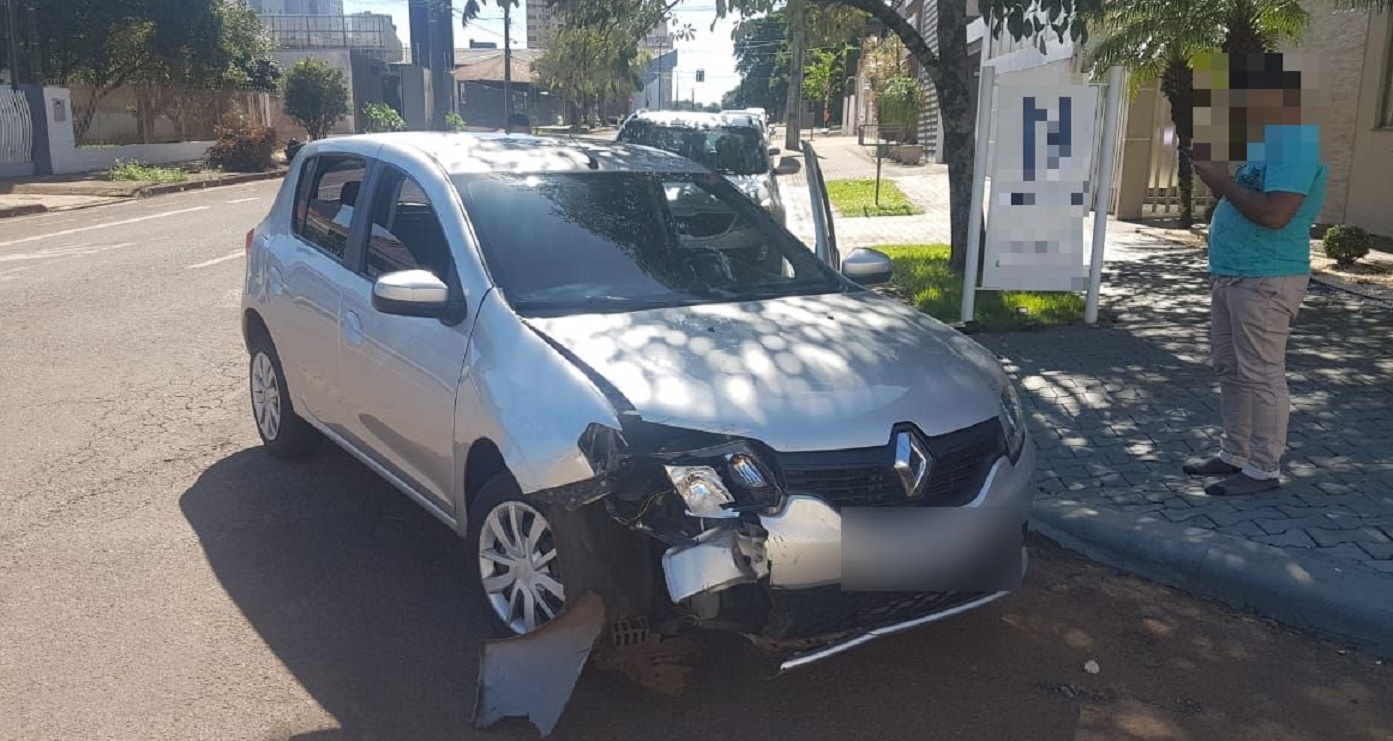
729	150
565	243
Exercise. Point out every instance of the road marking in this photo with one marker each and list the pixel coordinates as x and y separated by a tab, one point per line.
84	249
244	200
108	225
217	260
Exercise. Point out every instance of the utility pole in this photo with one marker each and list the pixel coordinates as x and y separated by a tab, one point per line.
662	50
507	62
793	117
12	42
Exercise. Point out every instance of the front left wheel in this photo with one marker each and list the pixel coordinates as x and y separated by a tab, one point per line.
533	560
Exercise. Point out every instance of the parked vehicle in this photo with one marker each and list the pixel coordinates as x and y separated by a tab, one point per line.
610	372
735	145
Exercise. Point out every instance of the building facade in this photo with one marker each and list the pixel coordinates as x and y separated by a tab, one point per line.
542	24
297	7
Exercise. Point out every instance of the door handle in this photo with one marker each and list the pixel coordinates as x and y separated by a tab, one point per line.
353	328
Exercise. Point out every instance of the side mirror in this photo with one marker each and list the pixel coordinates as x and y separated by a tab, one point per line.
411	293
868	267
788	166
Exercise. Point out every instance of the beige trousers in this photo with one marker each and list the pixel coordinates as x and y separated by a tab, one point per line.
1250	322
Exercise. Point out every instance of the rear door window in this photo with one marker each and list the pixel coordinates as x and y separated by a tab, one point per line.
324	205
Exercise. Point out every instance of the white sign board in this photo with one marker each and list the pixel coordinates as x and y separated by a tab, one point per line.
1040	190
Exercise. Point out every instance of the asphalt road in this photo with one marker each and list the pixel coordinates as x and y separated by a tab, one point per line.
161	578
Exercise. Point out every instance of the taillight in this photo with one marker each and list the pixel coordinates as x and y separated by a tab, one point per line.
250	232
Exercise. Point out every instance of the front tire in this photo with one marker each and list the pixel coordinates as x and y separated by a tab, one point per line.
283	433
548	557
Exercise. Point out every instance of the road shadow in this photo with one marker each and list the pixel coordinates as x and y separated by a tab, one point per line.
359	593
354	587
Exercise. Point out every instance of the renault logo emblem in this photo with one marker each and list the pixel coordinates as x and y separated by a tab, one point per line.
911	463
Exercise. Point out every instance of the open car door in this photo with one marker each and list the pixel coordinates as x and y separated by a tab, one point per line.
825	242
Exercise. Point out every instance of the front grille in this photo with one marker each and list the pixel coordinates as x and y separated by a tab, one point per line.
867	477
827	612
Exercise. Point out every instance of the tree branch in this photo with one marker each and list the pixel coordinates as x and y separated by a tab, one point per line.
913	40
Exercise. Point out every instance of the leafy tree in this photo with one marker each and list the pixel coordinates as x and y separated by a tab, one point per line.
761	58
154	45
316	96
822	76
1158	41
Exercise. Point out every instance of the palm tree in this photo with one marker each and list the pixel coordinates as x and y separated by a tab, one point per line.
1158	41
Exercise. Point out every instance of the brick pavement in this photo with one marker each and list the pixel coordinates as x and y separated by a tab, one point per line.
1115	410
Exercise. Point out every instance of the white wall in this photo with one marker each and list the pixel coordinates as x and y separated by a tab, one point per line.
68	159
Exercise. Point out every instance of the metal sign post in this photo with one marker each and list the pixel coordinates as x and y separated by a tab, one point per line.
1102	195
979	172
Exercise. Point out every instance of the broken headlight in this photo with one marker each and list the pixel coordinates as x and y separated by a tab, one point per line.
703	490
1012	421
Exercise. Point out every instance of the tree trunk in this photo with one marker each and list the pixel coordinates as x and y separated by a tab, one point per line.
959	120
793	123
1185	178
1177	84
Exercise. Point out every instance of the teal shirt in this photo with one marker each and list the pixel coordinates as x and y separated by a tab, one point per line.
1288	160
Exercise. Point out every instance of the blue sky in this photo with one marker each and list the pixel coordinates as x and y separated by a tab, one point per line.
710	51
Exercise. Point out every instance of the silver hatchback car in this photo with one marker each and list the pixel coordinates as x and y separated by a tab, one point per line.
613	373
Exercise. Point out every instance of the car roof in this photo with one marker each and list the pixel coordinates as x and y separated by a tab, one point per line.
697	119
467	152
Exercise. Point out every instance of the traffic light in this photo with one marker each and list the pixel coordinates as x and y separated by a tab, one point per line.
701	75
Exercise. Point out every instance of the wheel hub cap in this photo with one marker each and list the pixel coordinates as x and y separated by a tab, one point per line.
517	561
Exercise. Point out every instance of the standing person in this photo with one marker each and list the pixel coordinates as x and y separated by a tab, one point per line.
518	123
1259	254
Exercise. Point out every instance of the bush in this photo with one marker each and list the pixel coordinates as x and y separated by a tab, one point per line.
242	147
455	121
382	117
135	171
898	108
1346	244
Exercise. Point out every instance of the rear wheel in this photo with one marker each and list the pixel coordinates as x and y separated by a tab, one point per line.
282	431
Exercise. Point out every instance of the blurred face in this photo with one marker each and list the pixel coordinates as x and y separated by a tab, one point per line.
1228	119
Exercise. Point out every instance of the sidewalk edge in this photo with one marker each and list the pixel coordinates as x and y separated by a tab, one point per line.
28	209
239	179
1339	601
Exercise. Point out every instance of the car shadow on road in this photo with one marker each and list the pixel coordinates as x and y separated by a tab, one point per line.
360	594
357	591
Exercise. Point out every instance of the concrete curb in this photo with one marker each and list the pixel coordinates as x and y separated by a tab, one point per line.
28	209
145	192
240	179
1340	284
1341	601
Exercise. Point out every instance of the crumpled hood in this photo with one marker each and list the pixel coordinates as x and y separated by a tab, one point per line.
799	373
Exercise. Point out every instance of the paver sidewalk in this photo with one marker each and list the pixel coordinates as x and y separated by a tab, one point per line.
1116	409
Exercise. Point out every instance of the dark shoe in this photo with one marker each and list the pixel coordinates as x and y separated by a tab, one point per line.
1212	467
1240	485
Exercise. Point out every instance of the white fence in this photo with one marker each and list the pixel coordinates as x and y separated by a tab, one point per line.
1162	197
16	134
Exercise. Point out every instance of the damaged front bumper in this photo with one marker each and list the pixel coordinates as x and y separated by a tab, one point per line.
830	588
